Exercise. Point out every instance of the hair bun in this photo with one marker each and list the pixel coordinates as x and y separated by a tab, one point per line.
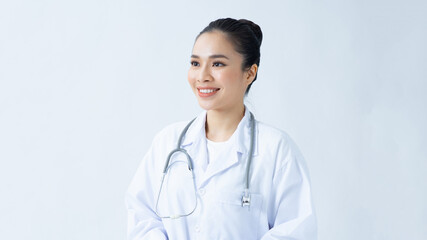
255	29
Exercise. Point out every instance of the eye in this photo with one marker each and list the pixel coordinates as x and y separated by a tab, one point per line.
194	63
218	64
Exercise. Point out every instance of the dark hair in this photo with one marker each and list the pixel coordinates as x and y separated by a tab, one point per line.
246	37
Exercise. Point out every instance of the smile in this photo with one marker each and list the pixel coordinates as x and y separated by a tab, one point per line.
207	92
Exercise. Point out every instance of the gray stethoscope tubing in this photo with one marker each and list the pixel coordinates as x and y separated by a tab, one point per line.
245	198
166	168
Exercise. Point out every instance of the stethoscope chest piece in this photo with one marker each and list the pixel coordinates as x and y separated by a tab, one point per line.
246	199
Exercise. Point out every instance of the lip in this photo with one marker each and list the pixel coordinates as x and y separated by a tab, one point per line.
201	94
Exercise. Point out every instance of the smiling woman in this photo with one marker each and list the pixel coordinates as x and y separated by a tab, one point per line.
224	175
216	75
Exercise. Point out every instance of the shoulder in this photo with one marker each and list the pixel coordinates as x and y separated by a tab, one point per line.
273	134
170	132
278	143
166	140
266	130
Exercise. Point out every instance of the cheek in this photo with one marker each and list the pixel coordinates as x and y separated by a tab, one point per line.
191	77
226	76
233	79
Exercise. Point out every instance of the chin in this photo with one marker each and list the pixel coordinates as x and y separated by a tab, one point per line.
207	105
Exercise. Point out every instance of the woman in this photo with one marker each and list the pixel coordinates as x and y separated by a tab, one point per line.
250	180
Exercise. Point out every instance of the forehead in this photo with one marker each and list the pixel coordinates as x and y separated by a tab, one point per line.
215	42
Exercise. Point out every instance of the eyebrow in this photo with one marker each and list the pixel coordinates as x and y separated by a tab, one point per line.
212	56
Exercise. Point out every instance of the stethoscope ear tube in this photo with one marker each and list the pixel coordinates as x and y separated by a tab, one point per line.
189	162
179	149
167	166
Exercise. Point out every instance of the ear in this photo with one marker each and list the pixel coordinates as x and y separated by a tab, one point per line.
251	73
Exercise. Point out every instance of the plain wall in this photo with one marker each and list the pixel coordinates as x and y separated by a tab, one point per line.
85	85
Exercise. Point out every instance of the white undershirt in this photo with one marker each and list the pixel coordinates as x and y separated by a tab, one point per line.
217	150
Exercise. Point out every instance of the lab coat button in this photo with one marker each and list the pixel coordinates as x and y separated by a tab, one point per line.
197	228
202	191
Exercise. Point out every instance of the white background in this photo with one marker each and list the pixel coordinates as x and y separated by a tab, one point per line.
85	85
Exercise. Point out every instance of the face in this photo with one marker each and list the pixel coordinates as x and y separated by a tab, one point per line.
215	75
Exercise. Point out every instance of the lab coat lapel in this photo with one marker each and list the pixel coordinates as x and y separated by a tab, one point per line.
218	167
195	144
198	154
239	152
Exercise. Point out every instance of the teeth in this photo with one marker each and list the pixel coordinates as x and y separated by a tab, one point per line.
206	90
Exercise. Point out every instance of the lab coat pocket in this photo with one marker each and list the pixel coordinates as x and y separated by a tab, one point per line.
235	221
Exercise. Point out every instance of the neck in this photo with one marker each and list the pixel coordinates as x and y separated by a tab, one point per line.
220	125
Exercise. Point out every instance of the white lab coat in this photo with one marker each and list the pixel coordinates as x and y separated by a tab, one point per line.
281	199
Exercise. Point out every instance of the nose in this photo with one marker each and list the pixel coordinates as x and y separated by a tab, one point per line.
205	74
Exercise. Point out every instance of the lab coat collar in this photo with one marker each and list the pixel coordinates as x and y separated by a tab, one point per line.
241	136
196	130
195	143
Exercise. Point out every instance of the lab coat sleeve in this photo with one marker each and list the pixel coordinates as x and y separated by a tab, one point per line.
143	223
291	212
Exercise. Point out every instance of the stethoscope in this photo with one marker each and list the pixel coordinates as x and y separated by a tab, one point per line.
246	198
